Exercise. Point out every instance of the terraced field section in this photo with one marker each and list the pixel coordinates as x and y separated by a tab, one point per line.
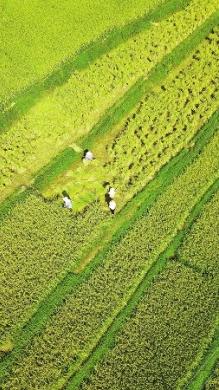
101	294
90	300
36	40
70	111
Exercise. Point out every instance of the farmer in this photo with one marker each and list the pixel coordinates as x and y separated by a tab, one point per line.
67	201
88	155
112	206
112	192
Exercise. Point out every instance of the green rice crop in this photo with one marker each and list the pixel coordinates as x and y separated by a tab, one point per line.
200	248
166	121
158	343
71	110
165	354
213	381
162	124
37	35
76	327
39	242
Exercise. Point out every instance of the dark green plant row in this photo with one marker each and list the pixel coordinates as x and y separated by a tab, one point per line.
207	374
199	248
212	383
87	55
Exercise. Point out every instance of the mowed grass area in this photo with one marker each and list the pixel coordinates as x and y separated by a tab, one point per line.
89	300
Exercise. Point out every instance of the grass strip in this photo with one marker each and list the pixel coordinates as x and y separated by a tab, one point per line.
134	209
107	340
206	366
123	106
118	111
81	60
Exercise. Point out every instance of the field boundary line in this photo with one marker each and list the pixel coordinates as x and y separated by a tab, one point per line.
86	55
107	338
142	203
114	114
206	364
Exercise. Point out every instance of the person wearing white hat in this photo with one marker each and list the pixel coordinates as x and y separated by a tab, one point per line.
112	206
112	192
88	156
67	202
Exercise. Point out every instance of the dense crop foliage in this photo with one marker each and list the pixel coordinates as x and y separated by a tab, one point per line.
158	344
90	300
200	249
166	121
213	381
72	109
39	242
85	315
163	123
36	35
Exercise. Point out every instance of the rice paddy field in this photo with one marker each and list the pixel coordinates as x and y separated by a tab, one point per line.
91	300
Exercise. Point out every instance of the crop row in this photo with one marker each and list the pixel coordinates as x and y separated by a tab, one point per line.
200	249
102	230
77	325
164	349
158	343
166	121
213	381
162	124
39	242
72	109
32	45
104	233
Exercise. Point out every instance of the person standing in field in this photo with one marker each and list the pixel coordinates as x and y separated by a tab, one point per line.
110	195
112	192
112	206
88	155
67	203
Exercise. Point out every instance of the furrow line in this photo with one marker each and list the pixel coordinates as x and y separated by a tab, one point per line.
134	209
115	114
107	339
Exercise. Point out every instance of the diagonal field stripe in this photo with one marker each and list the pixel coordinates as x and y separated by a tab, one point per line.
86	56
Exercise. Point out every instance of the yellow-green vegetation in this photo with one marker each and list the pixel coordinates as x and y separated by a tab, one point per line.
158	344
162	124
36	36
200	248
74	330
213	382
169	330
71	110
91	300
39	242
